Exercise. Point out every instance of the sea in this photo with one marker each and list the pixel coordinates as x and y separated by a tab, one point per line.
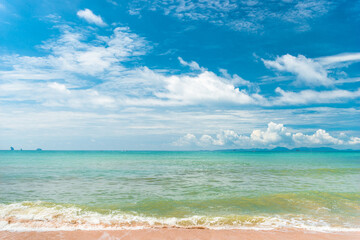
96	190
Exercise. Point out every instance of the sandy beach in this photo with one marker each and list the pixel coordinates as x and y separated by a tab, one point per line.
179	234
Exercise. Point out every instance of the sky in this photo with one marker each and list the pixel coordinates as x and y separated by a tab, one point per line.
179	75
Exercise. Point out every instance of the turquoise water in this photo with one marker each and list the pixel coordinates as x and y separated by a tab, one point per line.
93	189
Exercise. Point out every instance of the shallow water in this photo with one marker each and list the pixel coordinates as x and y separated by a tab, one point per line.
94	189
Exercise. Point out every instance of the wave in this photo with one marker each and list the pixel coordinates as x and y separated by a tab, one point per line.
44	216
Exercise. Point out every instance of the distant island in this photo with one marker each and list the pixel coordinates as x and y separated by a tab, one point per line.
12	149
284	149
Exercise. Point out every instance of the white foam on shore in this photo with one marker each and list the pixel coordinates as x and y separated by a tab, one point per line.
41	216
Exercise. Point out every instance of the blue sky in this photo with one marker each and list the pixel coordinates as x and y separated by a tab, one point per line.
179	75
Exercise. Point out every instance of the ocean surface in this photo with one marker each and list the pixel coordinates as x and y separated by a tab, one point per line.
66	190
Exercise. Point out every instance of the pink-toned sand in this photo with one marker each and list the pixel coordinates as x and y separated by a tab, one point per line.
179	234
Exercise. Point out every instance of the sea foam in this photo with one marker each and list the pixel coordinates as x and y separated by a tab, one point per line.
43	216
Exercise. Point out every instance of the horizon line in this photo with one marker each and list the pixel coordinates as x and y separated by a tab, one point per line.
188	150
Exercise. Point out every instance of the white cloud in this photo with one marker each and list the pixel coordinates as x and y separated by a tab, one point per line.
307	71
236	80
275	135
74	65
311	96
72	53
90	17
205	87
320	137
354	140
193	65
186	140
208	88
340	58
113	2
313	72
59	87
74	60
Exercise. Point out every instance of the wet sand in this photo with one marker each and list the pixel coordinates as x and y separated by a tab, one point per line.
179	234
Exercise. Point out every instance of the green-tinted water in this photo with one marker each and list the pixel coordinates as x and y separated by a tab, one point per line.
218	189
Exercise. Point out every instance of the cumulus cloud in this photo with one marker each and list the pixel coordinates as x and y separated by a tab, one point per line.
273	136
274	133
312	72
320	137
90	17
206	87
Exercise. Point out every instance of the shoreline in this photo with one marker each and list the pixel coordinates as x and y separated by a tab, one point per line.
180	234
